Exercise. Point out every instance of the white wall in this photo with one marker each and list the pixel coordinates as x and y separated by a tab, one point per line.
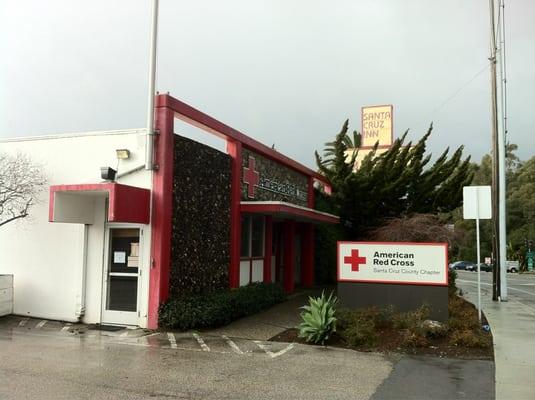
47	259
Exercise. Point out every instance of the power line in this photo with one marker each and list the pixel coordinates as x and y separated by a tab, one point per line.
484	69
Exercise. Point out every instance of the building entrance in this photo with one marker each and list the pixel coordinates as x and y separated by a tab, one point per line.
121	277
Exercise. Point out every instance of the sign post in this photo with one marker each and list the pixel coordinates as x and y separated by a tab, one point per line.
477	205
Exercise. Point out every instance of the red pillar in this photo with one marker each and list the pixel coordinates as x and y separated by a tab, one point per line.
162	210
307	255
234	150
289	255
268	245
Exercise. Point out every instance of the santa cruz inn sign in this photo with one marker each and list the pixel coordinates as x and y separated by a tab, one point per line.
398	263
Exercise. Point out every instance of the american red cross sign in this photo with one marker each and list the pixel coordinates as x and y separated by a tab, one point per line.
251	177
398	263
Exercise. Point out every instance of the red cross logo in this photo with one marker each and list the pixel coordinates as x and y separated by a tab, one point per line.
251	177
354	260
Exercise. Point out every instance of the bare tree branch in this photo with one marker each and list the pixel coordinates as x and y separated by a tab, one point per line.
21	183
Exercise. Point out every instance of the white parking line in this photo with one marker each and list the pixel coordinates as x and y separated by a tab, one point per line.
24	321
232	345
40	324
269	352
489	284
172	340
199	339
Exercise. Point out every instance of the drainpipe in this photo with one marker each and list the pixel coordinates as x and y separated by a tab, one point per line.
149	145
80	304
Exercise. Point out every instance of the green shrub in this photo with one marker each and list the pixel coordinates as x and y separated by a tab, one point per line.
463	316
319	321
452	286
468	338
358	327
411	320
219	307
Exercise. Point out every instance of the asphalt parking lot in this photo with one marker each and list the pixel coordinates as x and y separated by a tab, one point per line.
51	360
187	341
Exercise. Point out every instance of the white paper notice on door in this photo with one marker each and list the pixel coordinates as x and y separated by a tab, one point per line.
119	257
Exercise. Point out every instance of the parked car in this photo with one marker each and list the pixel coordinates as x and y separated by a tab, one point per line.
513	266
464	265
485	267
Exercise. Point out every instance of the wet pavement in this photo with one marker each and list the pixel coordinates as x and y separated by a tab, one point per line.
13	326
52	360
422	378
513	326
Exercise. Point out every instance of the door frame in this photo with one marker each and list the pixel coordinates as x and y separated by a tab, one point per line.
109	317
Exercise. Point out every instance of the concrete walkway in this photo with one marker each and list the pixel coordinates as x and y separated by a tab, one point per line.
513	329
269	323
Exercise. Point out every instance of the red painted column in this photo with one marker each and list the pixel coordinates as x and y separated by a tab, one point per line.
307	255
307	246
234	150
278	254
268	246
289	255
162	209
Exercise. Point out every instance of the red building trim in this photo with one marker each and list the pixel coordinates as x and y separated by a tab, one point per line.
126	203
268	246
307	255
234	150
287	209
203	121
162	212
289	256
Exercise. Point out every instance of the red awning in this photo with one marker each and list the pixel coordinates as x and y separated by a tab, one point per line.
289	211
76	203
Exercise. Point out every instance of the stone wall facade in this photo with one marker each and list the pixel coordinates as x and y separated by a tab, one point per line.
276	182
200	244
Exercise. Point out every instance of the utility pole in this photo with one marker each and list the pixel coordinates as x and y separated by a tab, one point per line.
501	150
498	124
149	143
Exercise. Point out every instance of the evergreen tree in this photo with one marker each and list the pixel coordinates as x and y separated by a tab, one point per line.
394	184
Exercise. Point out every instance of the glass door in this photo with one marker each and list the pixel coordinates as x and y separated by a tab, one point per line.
121	278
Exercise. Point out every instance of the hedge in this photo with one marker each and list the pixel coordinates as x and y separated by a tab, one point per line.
219	307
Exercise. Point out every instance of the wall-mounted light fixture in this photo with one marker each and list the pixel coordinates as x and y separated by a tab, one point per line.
107	173
122	154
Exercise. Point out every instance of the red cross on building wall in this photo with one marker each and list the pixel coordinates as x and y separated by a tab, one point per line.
355	260
251	177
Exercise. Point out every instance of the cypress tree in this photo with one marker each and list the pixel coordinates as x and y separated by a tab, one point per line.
397	183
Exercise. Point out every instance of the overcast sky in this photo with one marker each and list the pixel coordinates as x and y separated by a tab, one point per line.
287	72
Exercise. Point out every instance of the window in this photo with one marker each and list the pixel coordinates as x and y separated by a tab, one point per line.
245	236
252	236
257	237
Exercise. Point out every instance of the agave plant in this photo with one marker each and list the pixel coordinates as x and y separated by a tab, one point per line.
319	321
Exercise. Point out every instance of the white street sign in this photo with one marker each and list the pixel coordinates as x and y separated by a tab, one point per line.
477	202
393	262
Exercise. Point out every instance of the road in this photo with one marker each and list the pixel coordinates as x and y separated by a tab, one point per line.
521	287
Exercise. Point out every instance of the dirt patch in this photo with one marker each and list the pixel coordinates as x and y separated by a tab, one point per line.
393	340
